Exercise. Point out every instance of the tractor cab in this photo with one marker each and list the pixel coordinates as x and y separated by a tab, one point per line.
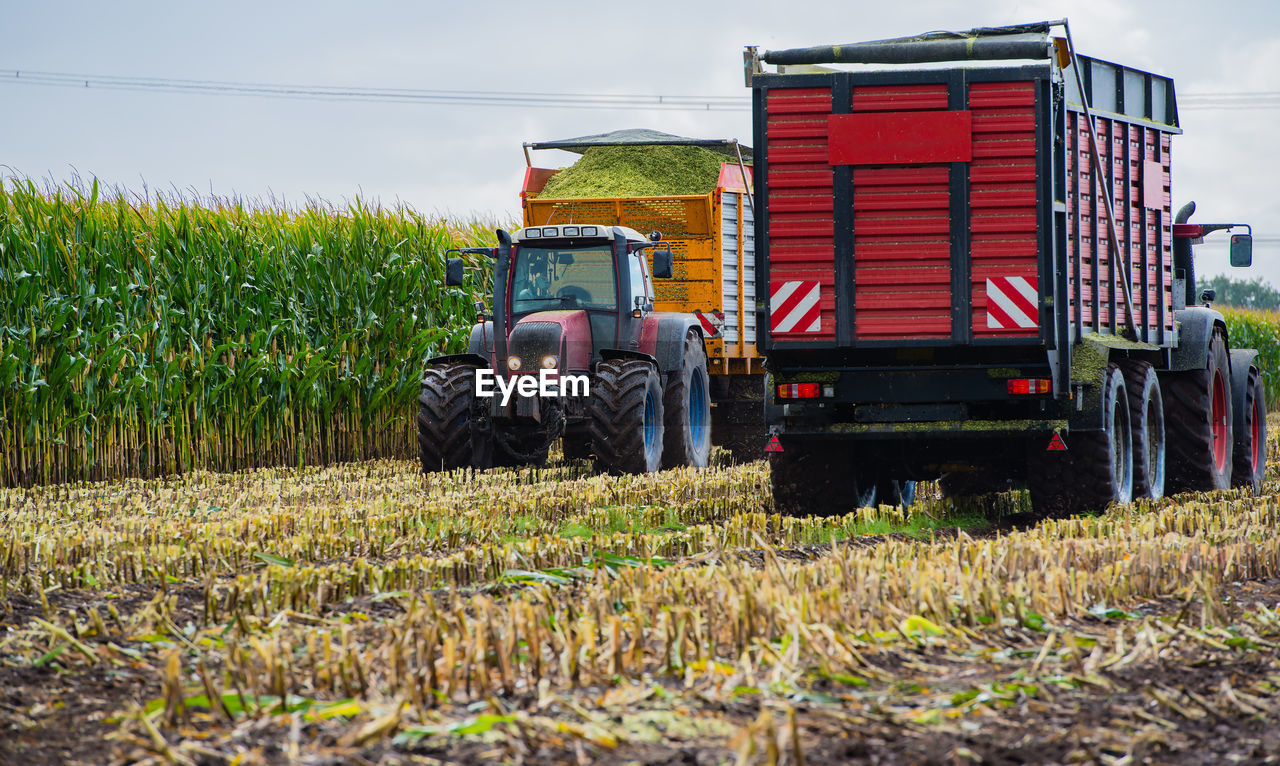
592	280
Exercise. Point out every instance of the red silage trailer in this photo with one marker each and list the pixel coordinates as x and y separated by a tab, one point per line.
975	273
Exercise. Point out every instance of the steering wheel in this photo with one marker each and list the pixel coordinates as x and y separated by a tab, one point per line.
574	293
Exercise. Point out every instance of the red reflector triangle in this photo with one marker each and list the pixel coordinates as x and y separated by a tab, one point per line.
1056	444
774	445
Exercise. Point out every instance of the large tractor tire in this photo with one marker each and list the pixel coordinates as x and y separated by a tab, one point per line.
686	407
626	417
444	417
1198	422
816	479
1097	467
1146	415
737	419
1249	462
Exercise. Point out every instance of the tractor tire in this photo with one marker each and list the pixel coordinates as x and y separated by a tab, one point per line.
816	479
1249	462
1146	414
1198	423
686	407
444	417
626	417
737	419
1097	467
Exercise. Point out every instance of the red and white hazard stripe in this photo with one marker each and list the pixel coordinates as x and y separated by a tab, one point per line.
793	307
1012	303
710	324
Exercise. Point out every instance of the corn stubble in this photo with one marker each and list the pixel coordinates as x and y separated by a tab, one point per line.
515	612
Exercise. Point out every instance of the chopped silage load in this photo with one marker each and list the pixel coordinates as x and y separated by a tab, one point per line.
637	171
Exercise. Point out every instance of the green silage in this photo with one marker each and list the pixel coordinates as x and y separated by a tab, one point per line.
637	171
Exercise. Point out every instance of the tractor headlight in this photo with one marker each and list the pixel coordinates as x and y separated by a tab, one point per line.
513	362
549	362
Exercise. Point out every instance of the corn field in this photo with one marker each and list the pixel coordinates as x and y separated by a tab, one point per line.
362	613
1253	328
143	336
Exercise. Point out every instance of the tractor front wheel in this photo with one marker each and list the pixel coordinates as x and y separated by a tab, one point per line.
626	416
1250	460
444	417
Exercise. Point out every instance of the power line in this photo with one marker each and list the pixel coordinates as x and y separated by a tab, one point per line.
389	95
1234	100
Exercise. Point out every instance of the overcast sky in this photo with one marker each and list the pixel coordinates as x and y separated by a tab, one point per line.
466	160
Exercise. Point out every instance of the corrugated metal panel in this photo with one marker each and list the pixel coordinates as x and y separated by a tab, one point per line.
1138	161
1002	199
801	238
902	232
729	202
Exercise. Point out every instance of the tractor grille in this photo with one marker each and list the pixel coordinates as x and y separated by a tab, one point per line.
533	340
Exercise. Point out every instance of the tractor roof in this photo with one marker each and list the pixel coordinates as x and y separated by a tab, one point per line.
531	234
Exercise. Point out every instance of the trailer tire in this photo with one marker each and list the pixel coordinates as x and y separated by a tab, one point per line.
1146	413
686	406
1097	467
1249	461
444	417
1198	422
811	478
626	416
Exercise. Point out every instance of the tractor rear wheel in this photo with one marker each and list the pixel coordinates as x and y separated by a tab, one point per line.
1097	467
686	406
1146	413
816	479
1250	449
626	416
444	417
1198	417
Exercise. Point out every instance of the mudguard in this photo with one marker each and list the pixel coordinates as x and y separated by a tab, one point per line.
1195	330
669	343
616	353
473	359
481	337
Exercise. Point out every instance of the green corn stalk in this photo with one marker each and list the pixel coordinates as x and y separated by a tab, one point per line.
143	336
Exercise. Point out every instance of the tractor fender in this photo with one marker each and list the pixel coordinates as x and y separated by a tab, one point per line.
1195	330
667	343
1241	360
481	339
472	359
617	353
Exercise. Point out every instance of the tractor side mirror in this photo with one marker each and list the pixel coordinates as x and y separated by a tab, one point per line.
662	264
453	272
1241	249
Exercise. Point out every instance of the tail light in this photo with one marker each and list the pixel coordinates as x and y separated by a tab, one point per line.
1029	386
799	390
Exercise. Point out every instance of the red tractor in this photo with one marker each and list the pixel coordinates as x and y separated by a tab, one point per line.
573	351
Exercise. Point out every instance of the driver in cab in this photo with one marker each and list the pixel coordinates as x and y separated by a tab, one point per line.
537	282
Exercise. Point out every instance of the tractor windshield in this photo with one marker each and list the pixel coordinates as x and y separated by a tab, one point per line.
544	279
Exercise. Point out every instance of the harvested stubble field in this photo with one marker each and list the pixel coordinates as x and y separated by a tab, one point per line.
363	614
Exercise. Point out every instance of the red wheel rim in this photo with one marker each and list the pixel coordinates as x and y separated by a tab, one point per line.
1255	437
1221	429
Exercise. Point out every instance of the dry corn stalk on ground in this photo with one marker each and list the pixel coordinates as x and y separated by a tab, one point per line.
361	613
